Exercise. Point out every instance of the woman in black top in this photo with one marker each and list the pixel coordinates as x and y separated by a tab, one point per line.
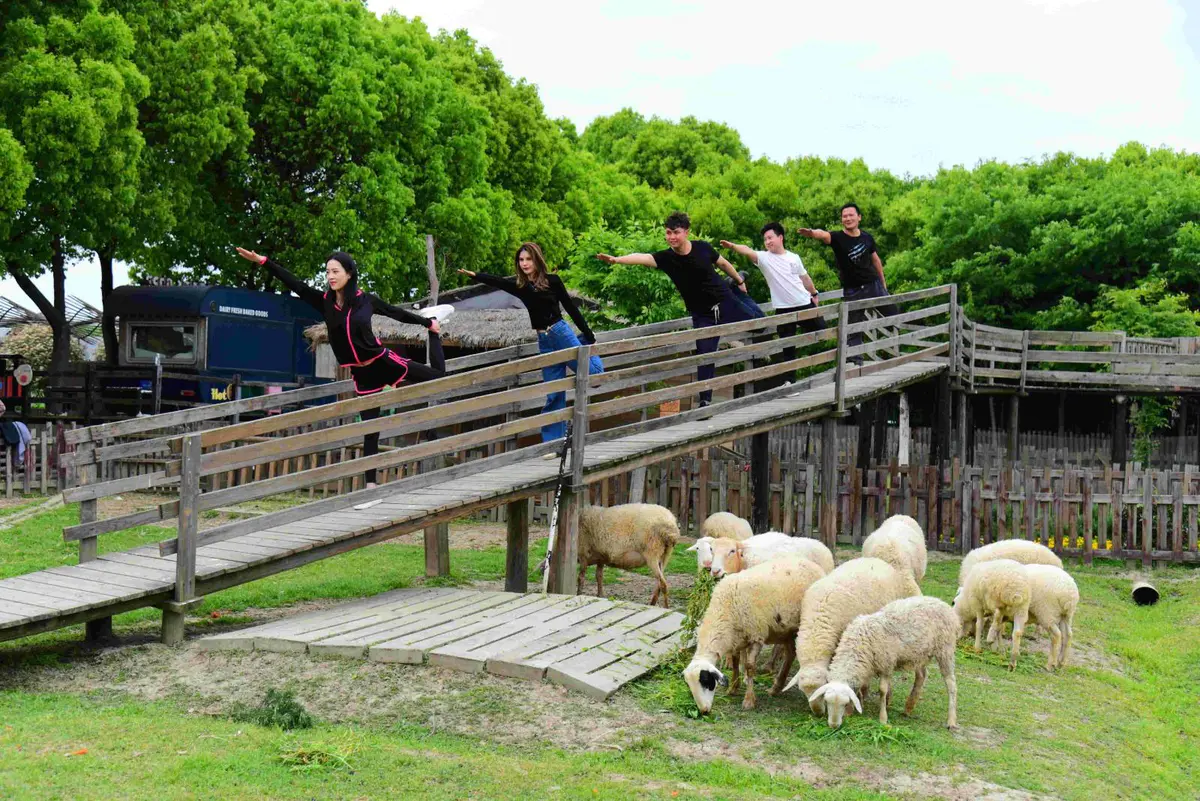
543	293
347	311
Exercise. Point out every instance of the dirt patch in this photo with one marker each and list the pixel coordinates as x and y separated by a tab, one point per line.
980	737
346	691
954	786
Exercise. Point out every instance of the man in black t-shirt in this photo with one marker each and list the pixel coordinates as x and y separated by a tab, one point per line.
709	299
858	264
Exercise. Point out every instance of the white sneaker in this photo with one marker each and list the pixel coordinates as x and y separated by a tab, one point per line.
441	312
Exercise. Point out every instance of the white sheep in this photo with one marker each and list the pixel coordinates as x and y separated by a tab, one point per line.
1023	551
627	536
904	635
757	606
1054	597
857	587
899	542
729	556
718	524
999	588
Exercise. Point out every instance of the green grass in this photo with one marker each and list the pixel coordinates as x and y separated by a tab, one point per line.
1120	721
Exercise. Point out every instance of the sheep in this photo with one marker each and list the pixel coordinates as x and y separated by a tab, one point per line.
1023	551
757	606
858	587
1001	589
899	542
731	557
718	524
904	635
1054	597
627	536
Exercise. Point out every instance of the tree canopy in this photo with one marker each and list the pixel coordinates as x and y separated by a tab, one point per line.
163	134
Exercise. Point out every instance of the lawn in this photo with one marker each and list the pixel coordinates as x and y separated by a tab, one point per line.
1121	721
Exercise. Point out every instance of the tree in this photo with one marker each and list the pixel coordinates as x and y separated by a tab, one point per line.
70	93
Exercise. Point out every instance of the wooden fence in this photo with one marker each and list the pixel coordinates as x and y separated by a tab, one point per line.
1129	514
40	468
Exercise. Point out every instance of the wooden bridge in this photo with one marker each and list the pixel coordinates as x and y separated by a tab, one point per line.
457	445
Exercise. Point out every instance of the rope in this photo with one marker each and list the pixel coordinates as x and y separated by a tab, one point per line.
544	567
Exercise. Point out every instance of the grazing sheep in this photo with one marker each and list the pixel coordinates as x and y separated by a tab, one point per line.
718	524
904	635
1054	597
627	536
1001	589
899	542
858	587
1023	551
757	606
726	524
731	557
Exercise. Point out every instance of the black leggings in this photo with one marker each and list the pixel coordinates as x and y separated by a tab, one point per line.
417	373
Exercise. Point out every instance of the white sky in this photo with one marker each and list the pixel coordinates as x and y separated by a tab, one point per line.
908	86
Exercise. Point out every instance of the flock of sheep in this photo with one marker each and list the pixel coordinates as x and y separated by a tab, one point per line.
845	625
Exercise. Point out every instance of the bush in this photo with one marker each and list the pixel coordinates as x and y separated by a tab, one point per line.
35	342
279	709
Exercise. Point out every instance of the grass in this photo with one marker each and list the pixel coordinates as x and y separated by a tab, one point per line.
1120	721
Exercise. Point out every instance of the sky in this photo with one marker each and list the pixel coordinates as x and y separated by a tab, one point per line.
908	86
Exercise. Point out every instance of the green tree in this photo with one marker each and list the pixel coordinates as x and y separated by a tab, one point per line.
70	92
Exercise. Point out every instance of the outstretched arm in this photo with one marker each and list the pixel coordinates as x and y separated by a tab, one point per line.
810	286
306	293
504	284
742	250
403	315
568	303
815	233
644	259
732	272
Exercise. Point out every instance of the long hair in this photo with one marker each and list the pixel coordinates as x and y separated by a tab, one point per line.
350	291
540	281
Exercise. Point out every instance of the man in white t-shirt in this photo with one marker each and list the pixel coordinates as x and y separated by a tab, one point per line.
791	287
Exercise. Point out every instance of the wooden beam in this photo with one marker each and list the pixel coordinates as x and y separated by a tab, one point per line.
760	482
516	558
829	465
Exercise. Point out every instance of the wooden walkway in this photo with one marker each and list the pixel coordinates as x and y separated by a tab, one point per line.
138	578
581	642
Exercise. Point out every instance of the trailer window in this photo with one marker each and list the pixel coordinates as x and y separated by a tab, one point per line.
176	343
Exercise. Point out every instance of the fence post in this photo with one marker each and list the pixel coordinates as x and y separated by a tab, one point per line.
954	331
184	598
565	557
829	483
516	557
100	629
839	376
1024	358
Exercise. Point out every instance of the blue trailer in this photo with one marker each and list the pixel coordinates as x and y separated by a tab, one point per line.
215	333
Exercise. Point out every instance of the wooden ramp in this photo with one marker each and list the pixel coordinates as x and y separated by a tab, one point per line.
582	642
120	581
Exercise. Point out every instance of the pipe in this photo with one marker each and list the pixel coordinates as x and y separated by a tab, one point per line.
1144	594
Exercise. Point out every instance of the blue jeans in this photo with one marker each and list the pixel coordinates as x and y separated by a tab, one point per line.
560	337
736	307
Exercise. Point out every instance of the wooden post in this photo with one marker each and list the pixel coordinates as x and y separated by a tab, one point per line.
1120	434
954	332
760	481
516	561
99	630
960	426
637	485
1024	358
437	550
565	557
879	433
829	465
1180	431
1014	428
944	416
175	610
839	376
865	417
905	432
158	371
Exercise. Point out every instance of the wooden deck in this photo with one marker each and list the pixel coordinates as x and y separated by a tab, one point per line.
122	581
585	643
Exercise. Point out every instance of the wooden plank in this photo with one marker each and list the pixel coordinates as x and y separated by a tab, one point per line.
411	648
110	574
641	647
530	660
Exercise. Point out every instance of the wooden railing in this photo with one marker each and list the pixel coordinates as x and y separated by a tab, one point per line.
489	401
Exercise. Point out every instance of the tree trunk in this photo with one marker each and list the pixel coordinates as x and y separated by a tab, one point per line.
108	321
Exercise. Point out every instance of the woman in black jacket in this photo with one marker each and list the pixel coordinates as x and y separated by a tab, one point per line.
347	311
543	293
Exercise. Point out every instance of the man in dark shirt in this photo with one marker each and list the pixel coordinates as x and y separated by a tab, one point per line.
858	264
709	300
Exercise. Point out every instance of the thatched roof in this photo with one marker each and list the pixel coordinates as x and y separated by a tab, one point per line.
484	318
